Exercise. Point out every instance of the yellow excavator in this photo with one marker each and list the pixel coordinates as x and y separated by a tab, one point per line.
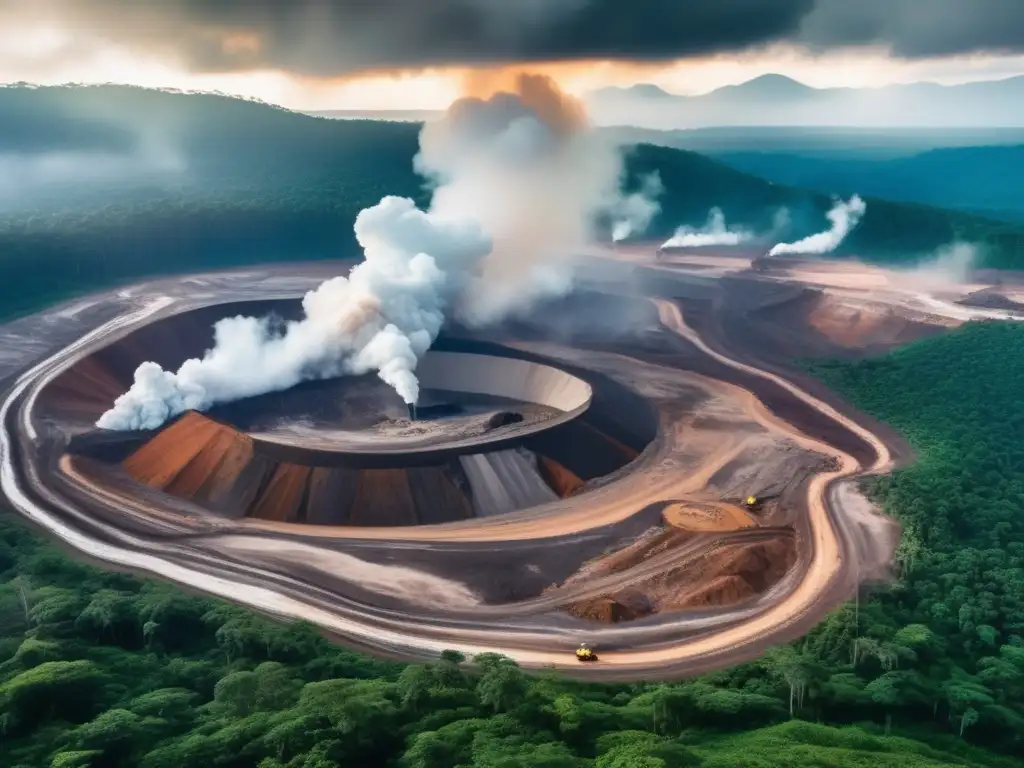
751	502
584	653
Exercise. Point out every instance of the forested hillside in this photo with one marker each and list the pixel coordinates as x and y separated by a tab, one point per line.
105	184
889	232
100	669
106	671
965	178
119	183
958	398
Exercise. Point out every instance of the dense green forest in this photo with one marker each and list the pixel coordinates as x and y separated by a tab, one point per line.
964	178
107	184
101	669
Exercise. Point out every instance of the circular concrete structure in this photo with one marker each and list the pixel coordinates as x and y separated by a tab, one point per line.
456	382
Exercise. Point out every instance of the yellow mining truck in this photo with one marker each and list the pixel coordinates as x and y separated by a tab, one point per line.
583	653
752	502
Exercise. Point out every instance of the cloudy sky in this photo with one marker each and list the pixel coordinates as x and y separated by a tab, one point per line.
382	54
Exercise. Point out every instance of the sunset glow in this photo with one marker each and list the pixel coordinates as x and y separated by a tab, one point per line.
46	55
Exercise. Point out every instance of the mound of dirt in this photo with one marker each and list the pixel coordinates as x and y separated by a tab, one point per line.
858	324
653	542
706	517
727	575
625	606
815	322
991	298
721	590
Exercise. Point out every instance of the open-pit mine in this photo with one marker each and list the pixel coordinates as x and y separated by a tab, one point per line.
639	467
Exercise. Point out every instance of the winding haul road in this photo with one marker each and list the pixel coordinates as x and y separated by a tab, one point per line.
681	644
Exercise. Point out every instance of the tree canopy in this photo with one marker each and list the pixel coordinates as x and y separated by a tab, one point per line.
108	670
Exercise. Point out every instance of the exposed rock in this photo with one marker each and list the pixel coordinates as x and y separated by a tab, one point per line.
503	419
626	606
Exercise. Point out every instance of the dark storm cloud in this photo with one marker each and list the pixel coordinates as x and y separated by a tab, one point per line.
918	28
324	37
337	37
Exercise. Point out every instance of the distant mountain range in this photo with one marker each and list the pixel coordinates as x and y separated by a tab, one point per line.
823	142
776	100
977	170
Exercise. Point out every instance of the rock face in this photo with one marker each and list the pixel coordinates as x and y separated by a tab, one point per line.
562	481
503	419
625	606
223	470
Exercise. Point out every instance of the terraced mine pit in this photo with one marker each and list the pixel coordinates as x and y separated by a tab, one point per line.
493	433
576	475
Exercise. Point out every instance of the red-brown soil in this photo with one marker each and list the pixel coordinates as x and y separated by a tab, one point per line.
90	389
562	481
654	542
842	323
706	516
625	606
726	575
220	468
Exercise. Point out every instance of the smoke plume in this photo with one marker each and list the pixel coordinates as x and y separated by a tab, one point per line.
519	182
781	222
844	216
949	265
714	232
635	212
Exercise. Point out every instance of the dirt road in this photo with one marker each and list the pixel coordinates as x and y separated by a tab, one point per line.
266	566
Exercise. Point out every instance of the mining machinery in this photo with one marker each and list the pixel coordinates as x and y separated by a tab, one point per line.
584	653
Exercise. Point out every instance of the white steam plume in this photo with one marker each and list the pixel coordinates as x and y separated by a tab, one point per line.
519	182
714	232
781	222
844	216
382	317
947	266
635	212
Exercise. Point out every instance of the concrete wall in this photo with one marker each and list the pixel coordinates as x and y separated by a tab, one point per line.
504	377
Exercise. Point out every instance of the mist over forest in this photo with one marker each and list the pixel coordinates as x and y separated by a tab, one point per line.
110	183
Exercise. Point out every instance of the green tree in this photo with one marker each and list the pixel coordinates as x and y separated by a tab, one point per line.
117	734
236	693
501	684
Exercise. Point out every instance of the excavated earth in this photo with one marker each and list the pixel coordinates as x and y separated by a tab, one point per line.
576	474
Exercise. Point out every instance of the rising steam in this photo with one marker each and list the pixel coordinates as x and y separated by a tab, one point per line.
844	216
947	266
635	212
519	182
714	232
